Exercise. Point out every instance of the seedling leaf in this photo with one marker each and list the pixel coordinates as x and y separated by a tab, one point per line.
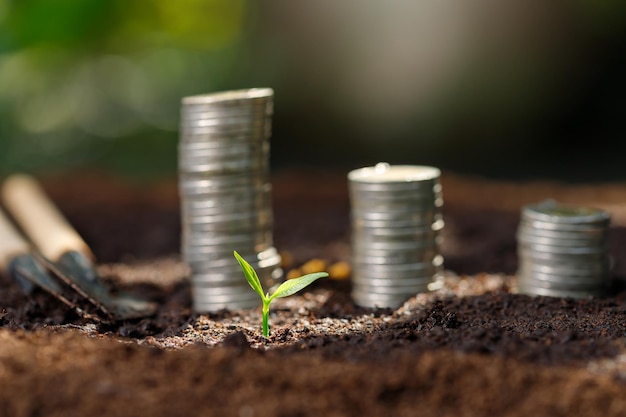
292	286
284	290
250	274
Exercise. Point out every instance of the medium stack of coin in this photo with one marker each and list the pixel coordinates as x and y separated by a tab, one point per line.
396	219
225	193
563	250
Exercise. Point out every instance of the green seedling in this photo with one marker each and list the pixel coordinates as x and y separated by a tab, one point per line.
285	289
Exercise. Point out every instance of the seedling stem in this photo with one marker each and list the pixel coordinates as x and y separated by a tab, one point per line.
285	289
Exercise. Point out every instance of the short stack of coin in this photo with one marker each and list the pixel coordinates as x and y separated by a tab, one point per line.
225	195
396	219
563	250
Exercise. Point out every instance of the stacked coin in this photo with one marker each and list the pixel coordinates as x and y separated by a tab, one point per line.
563	250
225	195
396	219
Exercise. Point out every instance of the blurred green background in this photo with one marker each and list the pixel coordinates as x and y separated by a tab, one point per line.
518	89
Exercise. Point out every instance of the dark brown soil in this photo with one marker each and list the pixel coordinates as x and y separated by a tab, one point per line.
474	348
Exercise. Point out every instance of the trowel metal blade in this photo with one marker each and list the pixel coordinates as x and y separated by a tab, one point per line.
78	268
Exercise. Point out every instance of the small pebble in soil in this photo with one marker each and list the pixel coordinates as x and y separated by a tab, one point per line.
236	340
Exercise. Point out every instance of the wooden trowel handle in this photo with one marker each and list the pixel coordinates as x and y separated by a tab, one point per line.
42	222
12	244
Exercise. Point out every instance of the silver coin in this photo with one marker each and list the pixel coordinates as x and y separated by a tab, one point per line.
231	97
393	212
221	148
207	254
582	269
415	221
597	255
597	280
216	278
393	175
226	265
220	144
192	257
553	212
195	188
545	229
407	282
212	205
561	238
191	142
238	285
379	301
419	231
393	188
231	166
199	265
259	130
222	267
249	206
222	126
220	256
243	219
562	250
253	113
391	290
392	257
393	279
195	193
226	209
189	120
206	297
377	195
247	112
210	127
258	109
380	201
209	181
532	290
206	307
567	269
373	235
239	150
556	242
370	213
363	274
563	227
206	140
396	233
417	267
364	246
257	159
399	281
390	212
261	255
224	165
218	264
248	198
567	285
204	244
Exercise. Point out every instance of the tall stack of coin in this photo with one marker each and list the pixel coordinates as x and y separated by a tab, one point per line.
396	219
225	195
563	250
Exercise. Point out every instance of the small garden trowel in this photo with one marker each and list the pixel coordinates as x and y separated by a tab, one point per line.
63	251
